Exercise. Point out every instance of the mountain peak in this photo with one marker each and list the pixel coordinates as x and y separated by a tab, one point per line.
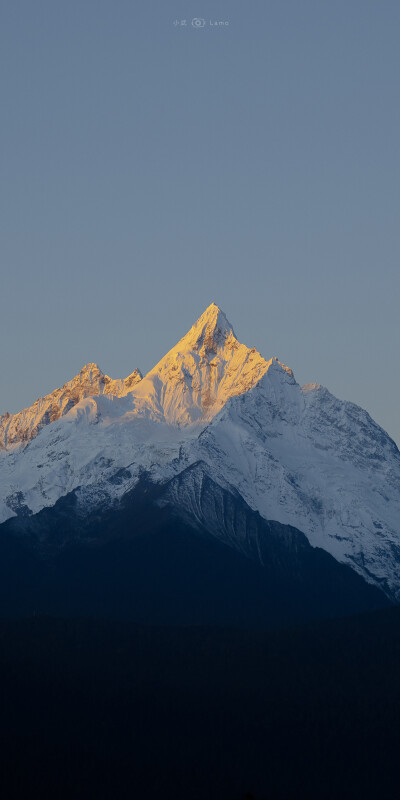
91	366
132	379
209	332
213	315
89	382
197	376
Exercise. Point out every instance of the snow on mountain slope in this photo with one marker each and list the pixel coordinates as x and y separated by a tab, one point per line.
304	458
183	391
298	456
196	378
191	383
86	448
144	428
24	426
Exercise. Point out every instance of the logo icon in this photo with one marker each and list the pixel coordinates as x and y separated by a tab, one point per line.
198	22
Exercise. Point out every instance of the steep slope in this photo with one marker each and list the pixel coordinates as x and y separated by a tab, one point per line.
305	458
111	428
90	381
299	457
196	378
148	560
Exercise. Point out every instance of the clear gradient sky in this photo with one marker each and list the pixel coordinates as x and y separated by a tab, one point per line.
148	169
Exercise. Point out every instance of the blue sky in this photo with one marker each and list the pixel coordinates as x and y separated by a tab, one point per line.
148	169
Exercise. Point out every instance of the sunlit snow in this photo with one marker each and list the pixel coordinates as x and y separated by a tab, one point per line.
298	456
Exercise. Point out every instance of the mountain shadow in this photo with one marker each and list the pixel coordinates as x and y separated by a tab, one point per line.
153	561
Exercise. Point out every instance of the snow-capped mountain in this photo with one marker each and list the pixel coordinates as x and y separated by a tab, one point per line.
21	427
197	377
297	456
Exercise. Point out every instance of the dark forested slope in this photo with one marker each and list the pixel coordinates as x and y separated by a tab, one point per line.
107	709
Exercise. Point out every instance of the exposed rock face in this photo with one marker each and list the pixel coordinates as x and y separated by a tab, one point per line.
204	370
89	382
297	456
